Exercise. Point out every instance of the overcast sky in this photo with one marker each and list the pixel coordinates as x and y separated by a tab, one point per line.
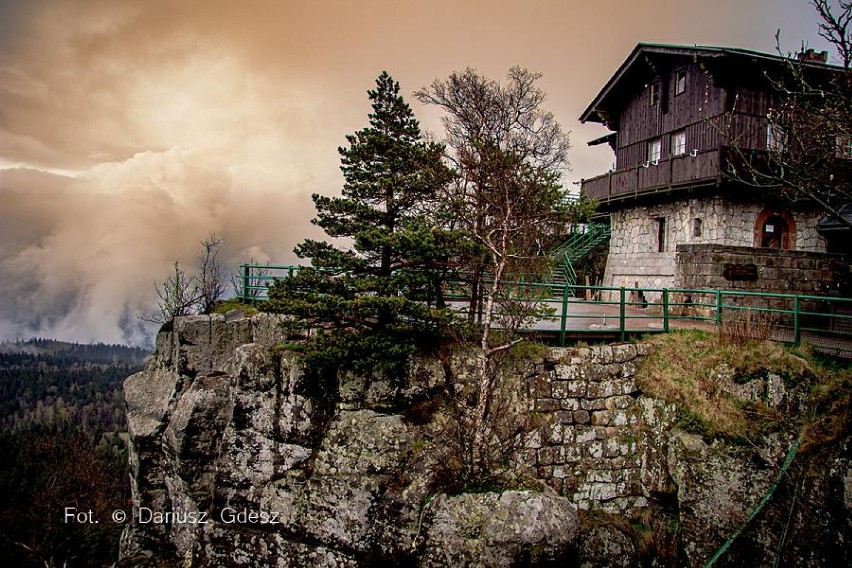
130	130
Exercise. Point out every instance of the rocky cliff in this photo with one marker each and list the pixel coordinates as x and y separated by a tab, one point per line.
237	459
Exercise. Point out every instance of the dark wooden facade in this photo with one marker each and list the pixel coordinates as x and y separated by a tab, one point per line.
723	104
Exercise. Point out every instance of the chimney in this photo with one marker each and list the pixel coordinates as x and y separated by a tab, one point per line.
810	56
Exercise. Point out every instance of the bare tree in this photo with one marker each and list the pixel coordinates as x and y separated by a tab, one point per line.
809	137
178	296
211	274
834	27
182	294
486	124
509	154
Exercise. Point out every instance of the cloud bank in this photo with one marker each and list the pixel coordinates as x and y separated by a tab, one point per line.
131	129
118	161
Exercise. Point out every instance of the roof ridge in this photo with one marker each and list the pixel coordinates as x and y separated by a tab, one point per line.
676	49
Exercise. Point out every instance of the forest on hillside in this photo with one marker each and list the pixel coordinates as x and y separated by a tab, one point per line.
62	424
45	382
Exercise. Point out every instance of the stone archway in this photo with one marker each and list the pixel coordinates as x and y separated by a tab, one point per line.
775	229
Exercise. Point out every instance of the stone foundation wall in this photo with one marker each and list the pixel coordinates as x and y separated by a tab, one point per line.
599	443
779	271
634	257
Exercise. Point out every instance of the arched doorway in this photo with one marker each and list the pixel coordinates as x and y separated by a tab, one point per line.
775	229
772	233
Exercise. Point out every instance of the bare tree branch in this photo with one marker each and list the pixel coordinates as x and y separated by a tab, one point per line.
182	294
211	274
808	151
178	296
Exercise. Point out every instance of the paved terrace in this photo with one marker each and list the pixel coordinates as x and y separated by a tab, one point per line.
588	319
822	321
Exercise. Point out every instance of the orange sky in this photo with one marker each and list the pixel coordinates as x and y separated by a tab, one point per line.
129	130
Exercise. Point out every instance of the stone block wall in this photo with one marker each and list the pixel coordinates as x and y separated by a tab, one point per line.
634	258
778	271
600	441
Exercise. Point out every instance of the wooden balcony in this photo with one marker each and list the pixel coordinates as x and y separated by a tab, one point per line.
704	167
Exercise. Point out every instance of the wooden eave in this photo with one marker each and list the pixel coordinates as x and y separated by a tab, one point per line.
605	139
661	192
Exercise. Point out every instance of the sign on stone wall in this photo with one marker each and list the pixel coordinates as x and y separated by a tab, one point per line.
740	272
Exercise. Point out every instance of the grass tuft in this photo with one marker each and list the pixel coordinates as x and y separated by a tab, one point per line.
224	306
699	373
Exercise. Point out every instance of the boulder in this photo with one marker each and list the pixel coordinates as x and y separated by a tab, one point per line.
513	528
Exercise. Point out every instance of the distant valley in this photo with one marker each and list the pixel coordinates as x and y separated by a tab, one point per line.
43	381
63	442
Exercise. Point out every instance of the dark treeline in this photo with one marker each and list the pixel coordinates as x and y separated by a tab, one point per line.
106	353
45	382
61	438
48	472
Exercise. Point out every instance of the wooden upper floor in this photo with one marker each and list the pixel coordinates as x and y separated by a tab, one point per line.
677	112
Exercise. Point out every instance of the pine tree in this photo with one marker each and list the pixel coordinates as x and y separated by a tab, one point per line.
369	304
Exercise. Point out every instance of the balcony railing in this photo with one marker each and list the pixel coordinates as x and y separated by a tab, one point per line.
690	168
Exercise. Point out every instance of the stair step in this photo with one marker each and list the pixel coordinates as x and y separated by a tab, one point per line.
575	249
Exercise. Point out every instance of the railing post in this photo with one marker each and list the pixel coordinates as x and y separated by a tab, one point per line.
246	282
718	308
797	307
666	310
564	322
621	315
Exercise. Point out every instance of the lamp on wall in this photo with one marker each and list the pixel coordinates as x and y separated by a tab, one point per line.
694	152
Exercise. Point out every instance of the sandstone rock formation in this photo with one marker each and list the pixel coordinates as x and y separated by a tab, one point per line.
238	459
248	464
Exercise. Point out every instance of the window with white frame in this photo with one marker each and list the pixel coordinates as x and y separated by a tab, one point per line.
679	143
776	137
680	82
844	147
655	150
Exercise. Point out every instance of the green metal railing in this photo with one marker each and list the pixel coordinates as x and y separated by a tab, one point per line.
257	278
581	243
576	248
824	321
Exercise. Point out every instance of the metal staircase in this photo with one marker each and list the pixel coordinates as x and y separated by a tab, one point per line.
576	248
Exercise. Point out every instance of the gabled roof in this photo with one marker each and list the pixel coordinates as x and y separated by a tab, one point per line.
640	61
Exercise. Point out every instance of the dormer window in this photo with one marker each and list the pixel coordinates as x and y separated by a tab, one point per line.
680	82
656	92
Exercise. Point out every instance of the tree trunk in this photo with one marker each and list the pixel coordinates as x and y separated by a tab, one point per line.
485	375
